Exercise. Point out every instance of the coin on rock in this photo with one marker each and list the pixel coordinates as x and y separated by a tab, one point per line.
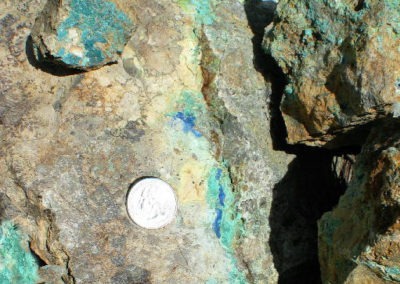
151	203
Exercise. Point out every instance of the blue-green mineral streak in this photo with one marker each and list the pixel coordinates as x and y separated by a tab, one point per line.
204	13
17	265
191	106
227	223
103	30
388	273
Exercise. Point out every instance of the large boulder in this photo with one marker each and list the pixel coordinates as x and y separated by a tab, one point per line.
359	240
341	60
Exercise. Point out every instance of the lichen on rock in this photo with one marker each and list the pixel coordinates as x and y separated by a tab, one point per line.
81	34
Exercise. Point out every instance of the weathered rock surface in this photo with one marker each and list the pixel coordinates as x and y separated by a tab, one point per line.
184	103
341	60
17	263
82	34
359	241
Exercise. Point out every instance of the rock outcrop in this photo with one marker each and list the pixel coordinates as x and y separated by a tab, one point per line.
359	240
341	61
189	101
184	103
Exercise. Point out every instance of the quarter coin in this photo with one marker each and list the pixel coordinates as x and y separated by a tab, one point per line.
151	203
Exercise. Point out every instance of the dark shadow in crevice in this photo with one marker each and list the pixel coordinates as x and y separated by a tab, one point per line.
45	65
310	187
40	262
360	5
259	15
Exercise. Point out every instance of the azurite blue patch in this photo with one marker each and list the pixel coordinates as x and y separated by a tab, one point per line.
189	123
103	29
221	202
221	196
221	193
226	223
217	223
218	174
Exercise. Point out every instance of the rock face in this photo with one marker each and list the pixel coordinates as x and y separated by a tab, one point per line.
17	264
341	60
359	240
184	103
81	34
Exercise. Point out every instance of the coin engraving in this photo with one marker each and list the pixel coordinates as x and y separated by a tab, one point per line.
151	203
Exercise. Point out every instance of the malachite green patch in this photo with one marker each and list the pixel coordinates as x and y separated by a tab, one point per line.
17	264
203	10
190	105
226	223
102	31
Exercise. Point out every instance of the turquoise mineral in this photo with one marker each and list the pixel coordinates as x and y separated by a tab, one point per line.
81	34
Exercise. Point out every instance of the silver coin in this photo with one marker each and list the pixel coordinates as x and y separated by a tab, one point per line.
151	203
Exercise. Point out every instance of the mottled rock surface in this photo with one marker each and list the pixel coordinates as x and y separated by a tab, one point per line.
359	241
341	61
82	34
17	263
184	103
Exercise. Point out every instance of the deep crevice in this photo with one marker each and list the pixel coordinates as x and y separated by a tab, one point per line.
360	5
259	15
311	186
40	261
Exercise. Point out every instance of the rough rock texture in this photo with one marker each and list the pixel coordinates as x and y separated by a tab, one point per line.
341	61
360	240
184	103
81	34
17	263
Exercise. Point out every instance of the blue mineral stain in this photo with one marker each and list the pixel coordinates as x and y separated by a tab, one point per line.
71	59
289	90
103	30
390	273
189	122
227	224
17	265
218	174
221	202
217	223
221	194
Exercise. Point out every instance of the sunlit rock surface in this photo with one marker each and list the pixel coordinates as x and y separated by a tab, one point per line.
341	61
81	34
183	103
359	240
